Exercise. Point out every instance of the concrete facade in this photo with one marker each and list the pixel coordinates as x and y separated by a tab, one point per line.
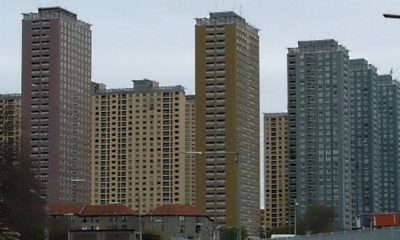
365	146
227	120
276	187
138	144
375	104
319	129
178	222
190	182
388	187
56	74
98	222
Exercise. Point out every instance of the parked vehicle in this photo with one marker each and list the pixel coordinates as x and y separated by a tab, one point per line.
378	220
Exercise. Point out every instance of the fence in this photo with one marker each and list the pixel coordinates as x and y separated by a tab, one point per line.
366	234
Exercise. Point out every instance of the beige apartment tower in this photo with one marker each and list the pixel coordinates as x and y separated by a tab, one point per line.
138	145
227	120
190	182
276	197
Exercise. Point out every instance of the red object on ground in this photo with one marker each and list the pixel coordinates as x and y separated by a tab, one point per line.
385	219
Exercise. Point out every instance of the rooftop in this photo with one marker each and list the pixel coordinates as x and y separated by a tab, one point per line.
83	209
280	114
53	13
142	86
10	96
66	208
108	210
361	64
323	45
228	17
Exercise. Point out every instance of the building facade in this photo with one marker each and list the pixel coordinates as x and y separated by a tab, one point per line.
319	129
190	182
388	189
276	193
364	133
138	146
227	120
177	221
375	104
79	221
10	125
56	72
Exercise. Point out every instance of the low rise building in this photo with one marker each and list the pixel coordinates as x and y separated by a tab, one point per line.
176	221
80	221
83	221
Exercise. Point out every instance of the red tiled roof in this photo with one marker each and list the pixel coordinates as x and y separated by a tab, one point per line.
83	209
177	209
108	210
66	208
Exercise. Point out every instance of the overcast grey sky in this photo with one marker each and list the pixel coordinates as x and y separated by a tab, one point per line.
155	38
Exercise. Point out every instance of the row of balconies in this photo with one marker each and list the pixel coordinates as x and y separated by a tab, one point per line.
40	37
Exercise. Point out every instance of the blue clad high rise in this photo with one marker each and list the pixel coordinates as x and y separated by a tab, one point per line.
375	107
389	164
364	134
318	128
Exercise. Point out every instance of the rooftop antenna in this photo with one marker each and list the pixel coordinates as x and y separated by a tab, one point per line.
240	9
393	70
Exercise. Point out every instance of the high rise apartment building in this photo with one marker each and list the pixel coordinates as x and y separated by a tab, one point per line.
364	133
319	129
227	120
56	72
138	145
276	189
375	104
388	189
190	182
10	126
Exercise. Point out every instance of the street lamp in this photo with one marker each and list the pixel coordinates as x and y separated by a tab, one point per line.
216	231
237	195
46	220
295	218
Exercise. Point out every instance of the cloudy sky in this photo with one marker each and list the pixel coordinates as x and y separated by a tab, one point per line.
155	38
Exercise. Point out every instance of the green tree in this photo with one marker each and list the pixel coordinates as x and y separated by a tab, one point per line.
230	233
20	205
317	219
